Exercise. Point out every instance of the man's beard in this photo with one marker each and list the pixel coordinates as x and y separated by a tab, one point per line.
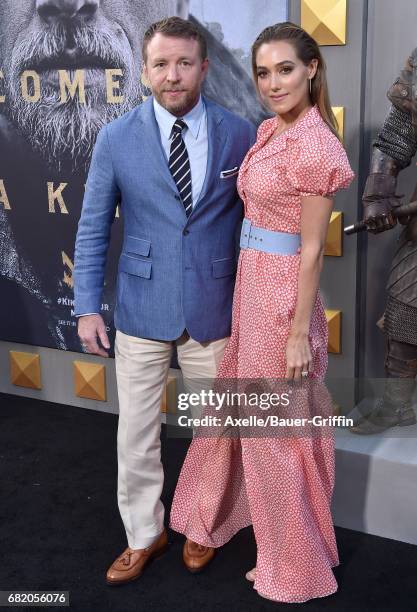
67	131
179	107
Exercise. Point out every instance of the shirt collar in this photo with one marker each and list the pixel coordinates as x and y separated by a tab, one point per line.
193	118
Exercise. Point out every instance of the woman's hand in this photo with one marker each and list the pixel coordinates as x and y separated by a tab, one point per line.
299	357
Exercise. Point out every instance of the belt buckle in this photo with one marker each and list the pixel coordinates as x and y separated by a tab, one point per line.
246	233
252	235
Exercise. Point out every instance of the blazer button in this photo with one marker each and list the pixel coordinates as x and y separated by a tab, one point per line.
186	232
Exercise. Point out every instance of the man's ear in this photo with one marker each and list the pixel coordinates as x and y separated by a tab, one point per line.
205	66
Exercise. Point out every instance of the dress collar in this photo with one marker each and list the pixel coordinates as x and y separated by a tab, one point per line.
311	118
261	150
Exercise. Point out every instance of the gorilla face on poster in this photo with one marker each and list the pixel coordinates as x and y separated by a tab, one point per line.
67	67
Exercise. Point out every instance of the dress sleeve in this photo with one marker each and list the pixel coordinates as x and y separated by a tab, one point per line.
319	164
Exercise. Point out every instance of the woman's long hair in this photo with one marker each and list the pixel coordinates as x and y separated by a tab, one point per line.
306	49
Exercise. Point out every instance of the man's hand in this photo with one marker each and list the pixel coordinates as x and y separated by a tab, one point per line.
89	328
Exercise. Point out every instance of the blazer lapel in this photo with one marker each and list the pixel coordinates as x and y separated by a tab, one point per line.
217	136
150	145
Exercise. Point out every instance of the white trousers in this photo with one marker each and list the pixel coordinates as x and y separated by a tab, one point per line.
142	370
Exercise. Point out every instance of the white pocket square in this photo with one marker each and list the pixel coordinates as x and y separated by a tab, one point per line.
228	173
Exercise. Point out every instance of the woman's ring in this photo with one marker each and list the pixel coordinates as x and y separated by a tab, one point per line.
305	373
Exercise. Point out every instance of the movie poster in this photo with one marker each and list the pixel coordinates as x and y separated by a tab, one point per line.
66	69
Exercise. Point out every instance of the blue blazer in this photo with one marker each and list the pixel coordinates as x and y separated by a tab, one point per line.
174	272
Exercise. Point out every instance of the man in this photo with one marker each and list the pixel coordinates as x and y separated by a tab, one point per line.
393	150
44	141
173	162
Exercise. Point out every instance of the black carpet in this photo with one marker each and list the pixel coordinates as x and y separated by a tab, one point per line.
60	528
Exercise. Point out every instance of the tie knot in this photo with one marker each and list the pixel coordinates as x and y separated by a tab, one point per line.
178	127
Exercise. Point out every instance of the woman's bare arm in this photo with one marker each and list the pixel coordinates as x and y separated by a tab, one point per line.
315	217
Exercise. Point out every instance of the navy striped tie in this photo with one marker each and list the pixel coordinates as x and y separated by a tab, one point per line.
179	165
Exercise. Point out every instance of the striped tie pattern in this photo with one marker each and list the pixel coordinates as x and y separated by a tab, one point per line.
179	165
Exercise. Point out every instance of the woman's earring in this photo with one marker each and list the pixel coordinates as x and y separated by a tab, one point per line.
309	82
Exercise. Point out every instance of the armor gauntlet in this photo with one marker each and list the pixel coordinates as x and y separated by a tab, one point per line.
379	199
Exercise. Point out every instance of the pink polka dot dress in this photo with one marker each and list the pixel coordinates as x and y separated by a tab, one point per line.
281	485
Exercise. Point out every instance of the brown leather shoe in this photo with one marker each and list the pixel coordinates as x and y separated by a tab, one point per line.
196	556
131	563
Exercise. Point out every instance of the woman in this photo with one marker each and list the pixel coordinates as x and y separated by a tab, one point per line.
280	485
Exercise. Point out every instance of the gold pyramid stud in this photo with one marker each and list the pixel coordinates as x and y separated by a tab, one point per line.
339	113
337	410
334	322
169	396
90	380
325	20
25	370
334	242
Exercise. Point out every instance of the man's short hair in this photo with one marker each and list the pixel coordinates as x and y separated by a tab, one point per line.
177	28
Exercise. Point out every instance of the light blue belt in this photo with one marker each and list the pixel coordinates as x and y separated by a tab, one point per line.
280	243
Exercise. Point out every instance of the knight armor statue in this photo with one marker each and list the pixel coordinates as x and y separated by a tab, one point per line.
393	150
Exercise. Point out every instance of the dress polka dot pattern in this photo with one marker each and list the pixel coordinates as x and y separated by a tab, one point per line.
281	485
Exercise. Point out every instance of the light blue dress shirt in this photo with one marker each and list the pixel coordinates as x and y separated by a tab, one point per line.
195	139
